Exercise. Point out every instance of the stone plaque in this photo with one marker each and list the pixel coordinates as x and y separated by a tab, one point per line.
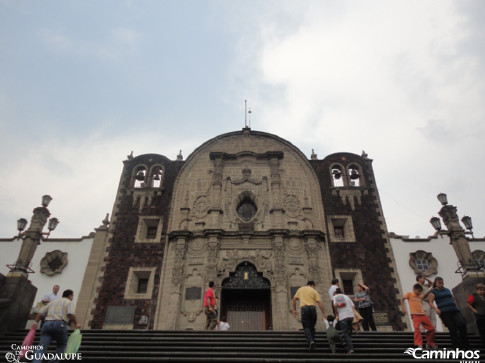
296	261
381	318
196	261
120	315
193	293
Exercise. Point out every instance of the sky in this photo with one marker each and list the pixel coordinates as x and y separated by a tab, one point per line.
84	83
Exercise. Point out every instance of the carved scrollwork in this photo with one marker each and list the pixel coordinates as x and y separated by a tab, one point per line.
423	262
53	262
292	205
246	277
178	270
201	206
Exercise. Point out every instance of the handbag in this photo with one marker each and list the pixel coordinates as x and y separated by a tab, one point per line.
357	317
74	342
29	338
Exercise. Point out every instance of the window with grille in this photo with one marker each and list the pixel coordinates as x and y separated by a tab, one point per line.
140	283
152	232
339	232
149	229
247	210
422	264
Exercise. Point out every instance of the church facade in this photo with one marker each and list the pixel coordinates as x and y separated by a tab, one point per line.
249	211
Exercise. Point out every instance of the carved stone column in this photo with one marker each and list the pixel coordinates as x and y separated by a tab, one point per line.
275	177
178	271
311	248
213	246
281	309
184	213
215	212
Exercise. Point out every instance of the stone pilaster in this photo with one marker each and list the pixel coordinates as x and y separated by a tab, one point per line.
175	290
275	178
280	290
213	246
311	248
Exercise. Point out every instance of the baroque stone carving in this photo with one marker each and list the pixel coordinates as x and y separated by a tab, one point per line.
53	262
246	277
312	248
180	248
292	206
201	206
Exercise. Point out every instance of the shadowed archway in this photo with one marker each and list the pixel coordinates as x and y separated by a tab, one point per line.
246	299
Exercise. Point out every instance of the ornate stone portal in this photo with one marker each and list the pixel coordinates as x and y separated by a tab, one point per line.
246	214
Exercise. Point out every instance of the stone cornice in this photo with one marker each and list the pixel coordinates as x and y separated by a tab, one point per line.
254	234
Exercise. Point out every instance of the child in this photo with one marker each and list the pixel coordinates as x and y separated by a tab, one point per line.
415	299
476	302
332	335
222	325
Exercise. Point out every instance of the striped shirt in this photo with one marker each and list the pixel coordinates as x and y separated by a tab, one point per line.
58	310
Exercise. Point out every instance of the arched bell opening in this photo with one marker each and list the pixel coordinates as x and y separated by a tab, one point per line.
246	299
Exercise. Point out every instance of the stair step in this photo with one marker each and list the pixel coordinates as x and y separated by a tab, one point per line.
203	346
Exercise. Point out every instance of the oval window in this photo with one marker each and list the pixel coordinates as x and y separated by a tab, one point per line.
247	210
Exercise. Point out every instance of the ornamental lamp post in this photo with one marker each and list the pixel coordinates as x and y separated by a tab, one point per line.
471	273
32	236
17	293
456	232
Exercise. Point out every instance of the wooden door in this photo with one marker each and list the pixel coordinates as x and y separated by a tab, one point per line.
247	310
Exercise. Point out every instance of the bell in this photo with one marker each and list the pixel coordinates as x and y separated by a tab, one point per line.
140	176
336	173
354	174
156	177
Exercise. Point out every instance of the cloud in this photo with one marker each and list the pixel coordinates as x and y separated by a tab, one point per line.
393	78
82	176
402	80
126	37
113	45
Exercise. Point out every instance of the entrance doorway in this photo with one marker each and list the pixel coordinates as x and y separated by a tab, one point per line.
247	309
246	299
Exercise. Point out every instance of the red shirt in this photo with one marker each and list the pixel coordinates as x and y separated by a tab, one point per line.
471	300
209	294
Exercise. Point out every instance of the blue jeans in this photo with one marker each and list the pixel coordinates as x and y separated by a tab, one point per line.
346	329
56	330
308	320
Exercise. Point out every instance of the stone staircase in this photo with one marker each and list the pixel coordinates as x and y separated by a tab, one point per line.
269	346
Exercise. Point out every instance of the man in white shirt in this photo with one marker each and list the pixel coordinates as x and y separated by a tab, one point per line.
52	295
345	314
